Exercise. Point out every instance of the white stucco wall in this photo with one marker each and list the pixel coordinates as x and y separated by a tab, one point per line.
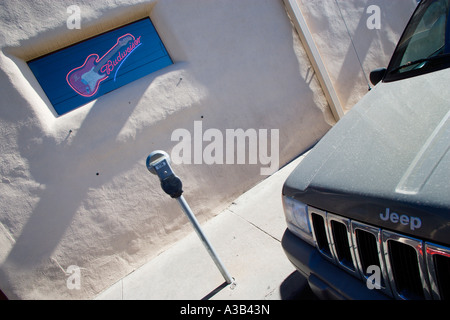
75	190
240	65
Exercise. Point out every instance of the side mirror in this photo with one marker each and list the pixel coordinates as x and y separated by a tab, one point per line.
377	75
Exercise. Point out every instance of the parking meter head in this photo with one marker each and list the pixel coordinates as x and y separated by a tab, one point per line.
158	163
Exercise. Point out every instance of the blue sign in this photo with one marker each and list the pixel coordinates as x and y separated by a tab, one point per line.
75	75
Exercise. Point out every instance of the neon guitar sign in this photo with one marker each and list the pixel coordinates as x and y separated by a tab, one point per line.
85	80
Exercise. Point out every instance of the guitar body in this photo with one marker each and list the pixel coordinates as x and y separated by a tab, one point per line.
84	80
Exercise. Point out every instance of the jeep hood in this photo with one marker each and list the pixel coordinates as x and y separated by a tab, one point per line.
391	151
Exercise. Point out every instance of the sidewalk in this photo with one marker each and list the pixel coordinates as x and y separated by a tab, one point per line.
246	237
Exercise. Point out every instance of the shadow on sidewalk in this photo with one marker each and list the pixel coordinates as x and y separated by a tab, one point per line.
296	287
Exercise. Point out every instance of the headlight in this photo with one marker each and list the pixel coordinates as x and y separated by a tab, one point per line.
297	219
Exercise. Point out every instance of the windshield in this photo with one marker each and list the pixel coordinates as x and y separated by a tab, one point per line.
424	46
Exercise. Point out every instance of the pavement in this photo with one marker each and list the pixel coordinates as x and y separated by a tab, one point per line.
247	238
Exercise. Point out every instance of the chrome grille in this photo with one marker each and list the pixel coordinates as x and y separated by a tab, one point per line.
410	268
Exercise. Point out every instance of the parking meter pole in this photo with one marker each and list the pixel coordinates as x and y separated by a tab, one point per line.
158	163
184	205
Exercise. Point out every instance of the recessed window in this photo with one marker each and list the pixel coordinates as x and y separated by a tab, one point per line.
73	76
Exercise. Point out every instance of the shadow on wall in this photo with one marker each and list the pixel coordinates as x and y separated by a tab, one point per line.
372	47
64	173
351	65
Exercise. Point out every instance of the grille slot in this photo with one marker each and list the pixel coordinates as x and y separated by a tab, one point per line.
367	250
442	265
341	244
320	233
406	266
405	270
438	263
410	268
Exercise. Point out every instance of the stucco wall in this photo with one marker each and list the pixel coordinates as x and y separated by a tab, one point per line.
75	190
374	26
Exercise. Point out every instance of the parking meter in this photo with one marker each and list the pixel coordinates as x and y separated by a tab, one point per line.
158	162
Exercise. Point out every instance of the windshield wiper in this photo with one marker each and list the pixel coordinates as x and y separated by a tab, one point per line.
411	63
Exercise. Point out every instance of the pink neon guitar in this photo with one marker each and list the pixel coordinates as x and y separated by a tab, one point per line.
86	79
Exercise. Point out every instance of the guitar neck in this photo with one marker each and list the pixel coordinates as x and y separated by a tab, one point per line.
108	56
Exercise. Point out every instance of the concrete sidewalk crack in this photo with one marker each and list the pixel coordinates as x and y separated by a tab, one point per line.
254	225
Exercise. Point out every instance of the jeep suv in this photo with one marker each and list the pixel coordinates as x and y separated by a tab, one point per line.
368	209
